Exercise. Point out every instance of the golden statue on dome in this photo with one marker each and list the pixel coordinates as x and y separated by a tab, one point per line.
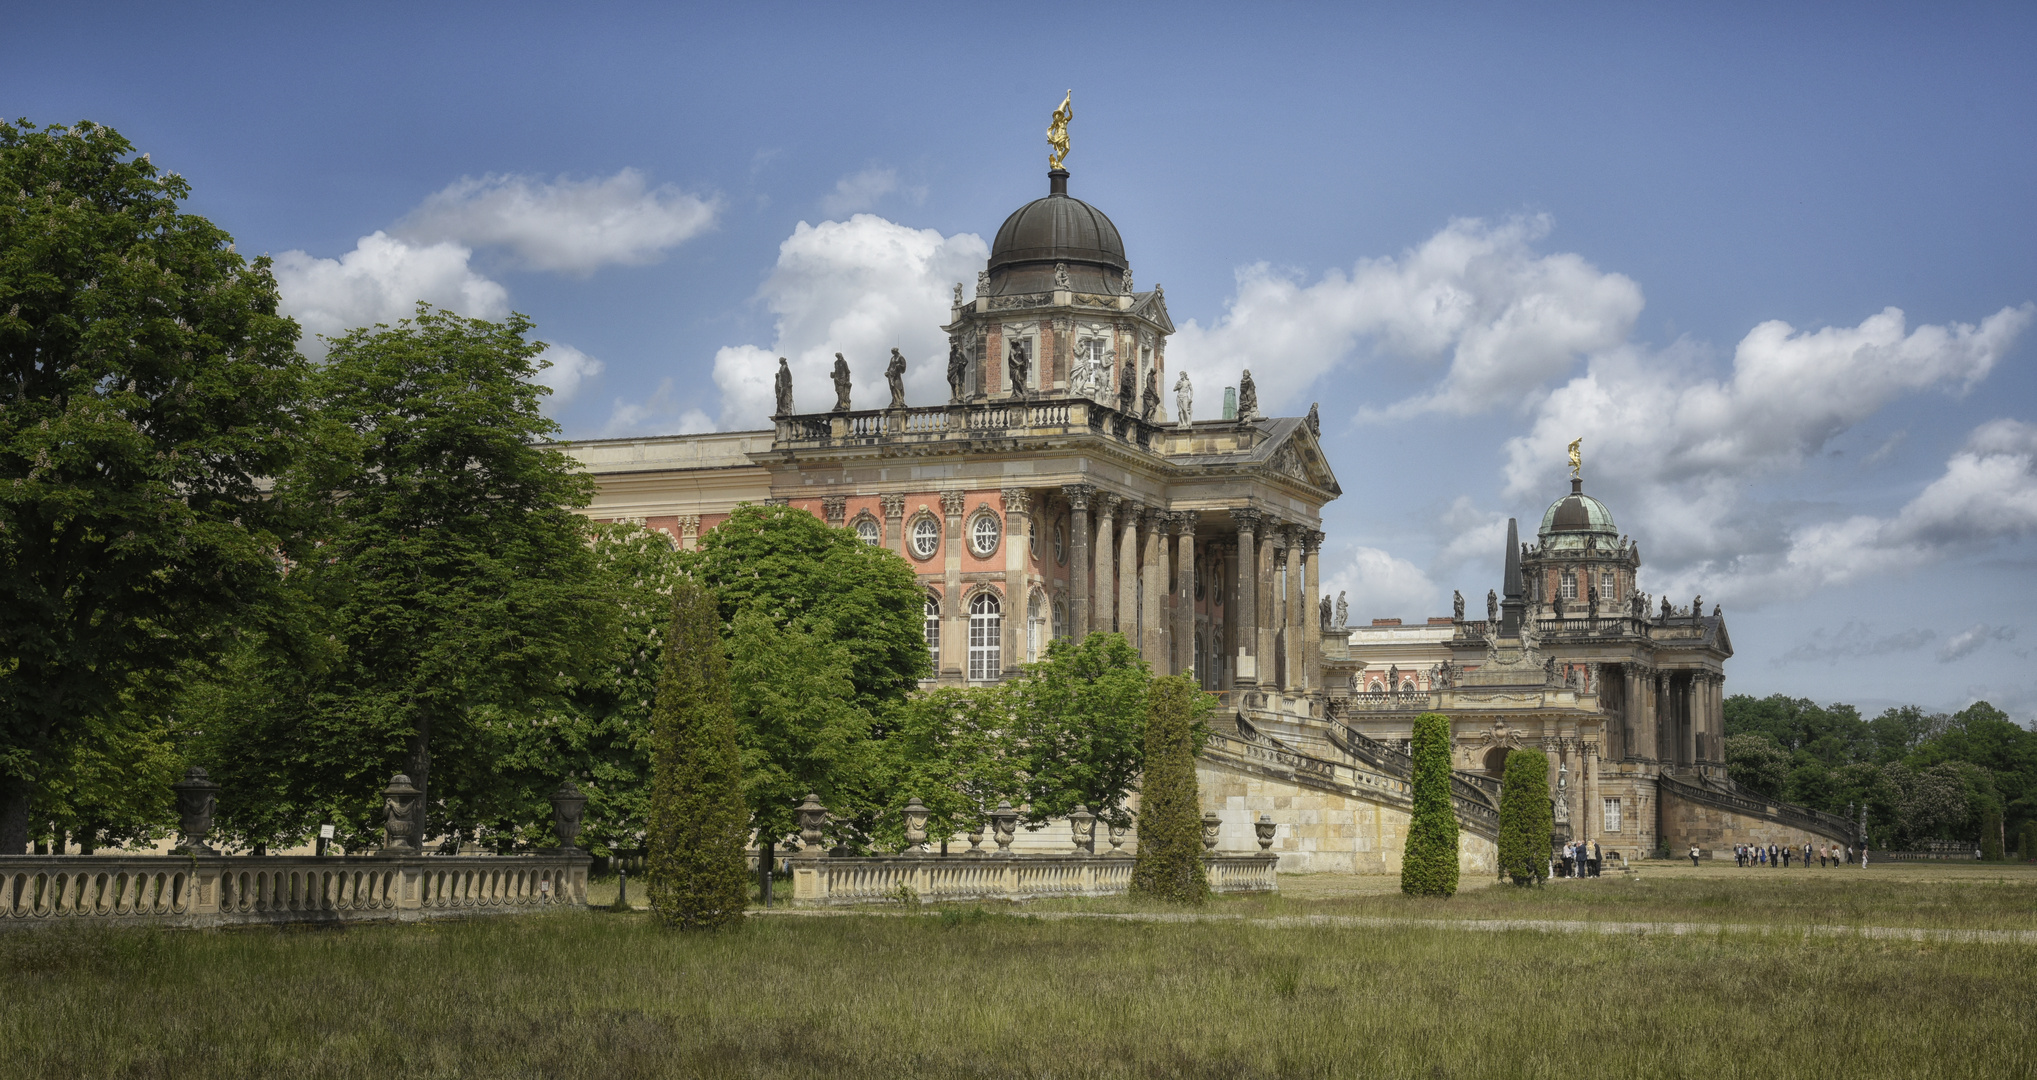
1057	133
1577	458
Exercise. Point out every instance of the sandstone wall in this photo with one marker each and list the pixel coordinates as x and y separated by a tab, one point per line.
1715	830
1320	831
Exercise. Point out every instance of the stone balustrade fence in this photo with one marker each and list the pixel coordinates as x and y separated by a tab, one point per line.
936	879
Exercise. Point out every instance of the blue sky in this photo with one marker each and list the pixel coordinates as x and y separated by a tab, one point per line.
1470	233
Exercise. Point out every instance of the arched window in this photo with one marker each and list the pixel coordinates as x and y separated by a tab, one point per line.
986	638
1567	585
869	532
1060	618
1036	616
933	631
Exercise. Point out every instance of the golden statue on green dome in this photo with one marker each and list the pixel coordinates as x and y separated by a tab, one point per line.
1057	133
1577	457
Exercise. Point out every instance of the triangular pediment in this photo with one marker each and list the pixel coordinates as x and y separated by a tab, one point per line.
1152	306
1298	454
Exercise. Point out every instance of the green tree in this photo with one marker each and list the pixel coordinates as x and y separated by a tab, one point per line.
1525	825
800	722
790	565
951	748
1080	719
149	385
1754	761
1429	866
455	578
1169	865
698	821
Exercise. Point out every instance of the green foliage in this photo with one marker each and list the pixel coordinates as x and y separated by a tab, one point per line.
1525	823
1169	863
2026	842
1756	762
799	721
698	823
1991	835
951	748
1429	867
454	578
1080	718
790	565
150	384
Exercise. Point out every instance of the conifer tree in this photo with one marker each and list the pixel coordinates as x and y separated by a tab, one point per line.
1429	868
1525	817
698	821
1169	865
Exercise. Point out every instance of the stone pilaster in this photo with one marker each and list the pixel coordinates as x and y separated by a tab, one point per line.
1184	593
954	615
1018	598
1311	620
1243	607
1128	571
1592	807
1292	608
894	523
1078	558
1104	589
1153	583
1265	615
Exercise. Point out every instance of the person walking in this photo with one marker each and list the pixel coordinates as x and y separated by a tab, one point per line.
1597	858
1693	856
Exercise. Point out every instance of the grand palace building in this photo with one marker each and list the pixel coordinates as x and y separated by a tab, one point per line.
1053	495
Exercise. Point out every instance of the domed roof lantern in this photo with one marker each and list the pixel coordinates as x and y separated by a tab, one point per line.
1577	513
1060	231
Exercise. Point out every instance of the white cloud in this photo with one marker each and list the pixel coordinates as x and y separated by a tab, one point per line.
660	414
1972	639
565	225
858	287
381	281
1382	586
1854	640
859	191
1506	319
570	368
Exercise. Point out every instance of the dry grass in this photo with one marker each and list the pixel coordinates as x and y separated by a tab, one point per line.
974	994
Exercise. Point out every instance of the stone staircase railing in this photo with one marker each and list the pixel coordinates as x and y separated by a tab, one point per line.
1827	825
1254	751
955	878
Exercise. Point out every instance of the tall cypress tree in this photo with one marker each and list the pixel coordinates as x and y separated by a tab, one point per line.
698	821
1525	817
1169	865
1429	868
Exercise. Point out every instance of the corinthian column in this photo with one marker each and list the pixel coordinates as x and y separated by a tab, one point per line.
1153	583
1311	618
1128	571
1244	602
1291	601
1105	589
1266	614
1184	599
1078	558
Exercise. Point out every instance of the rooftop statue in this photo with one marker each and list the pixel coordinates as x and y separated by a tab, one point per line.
894	372
1248	397
1149	402
1184	400
1577	457
1057	132
1128	388
1492	607
1019	366
782	385
958	367
1315	420
1343	611
1457	605
841	384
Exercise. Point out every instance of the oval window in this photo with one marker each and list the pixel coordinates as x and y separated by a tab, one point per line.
926	537
983	534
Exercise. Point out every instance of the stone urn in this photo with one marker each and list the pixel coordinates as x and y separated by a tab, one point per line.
812	815
1082	825
197	802
402	806
1117	840
916	815
1004	825
568	807
1264	829
1210	824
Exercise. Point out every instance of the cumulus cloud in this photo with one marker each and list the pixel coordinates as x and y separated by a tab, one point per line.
1475	297
1382	586
858	287
1972	639
861	191
570	369
564	225
1854	640
381	281
663	413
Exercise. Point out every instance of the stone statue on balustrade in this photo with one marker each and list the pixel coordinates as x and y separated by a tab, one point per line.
1456	605
1184	401
1393	678
1019	365
1697	606
958	370
1668	608
1343	611
894	373
1492	607
1248	397
781	384
842	384
1149	402
1323	612
1557	604
1128	388
1315	420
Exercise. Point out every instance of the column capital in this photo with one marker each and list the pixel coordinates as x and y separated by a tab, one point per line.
1157	519
1312	541
834	508
1079	495
894	506
689	524
954	502
1184	522
1017	500
1107	503
1247	520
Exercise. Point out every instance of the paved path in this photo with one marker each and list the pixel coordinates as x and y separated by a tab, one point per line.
1547	926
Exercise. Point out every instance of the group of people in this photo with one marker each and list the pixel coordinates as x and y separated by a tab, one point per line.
1784	854
1580	858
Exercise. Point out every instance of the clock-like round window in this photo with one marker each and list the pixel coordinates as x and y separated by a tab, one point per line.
869	532
926	537
984	533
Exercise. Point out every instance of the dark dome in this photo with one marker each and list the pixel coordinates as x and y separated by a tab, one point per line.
1057	229
1576	514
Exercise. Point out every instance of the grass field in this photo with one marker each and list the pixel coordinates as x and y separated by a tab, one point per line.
974	993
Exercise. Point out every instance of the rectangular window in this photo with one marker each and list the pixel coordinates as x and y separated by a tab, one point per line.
1567	585
1612	815
1605	585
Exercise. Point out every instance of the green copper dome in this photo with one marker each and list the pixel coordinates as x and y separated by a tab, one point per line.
1579	514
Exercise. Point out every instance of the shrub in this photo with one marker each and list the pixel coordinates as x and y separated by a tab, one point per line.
1170	866
1525	818
1991	835
1429	868
698	822
2026	843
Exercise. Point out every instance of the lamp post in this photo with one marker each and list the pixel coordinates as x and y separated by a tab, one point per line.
197	801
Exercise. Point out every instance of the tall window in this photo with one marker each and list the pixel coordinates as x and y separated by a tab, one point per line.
1567	585
1605	585
933	631
986	637
1612	815
1036	616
